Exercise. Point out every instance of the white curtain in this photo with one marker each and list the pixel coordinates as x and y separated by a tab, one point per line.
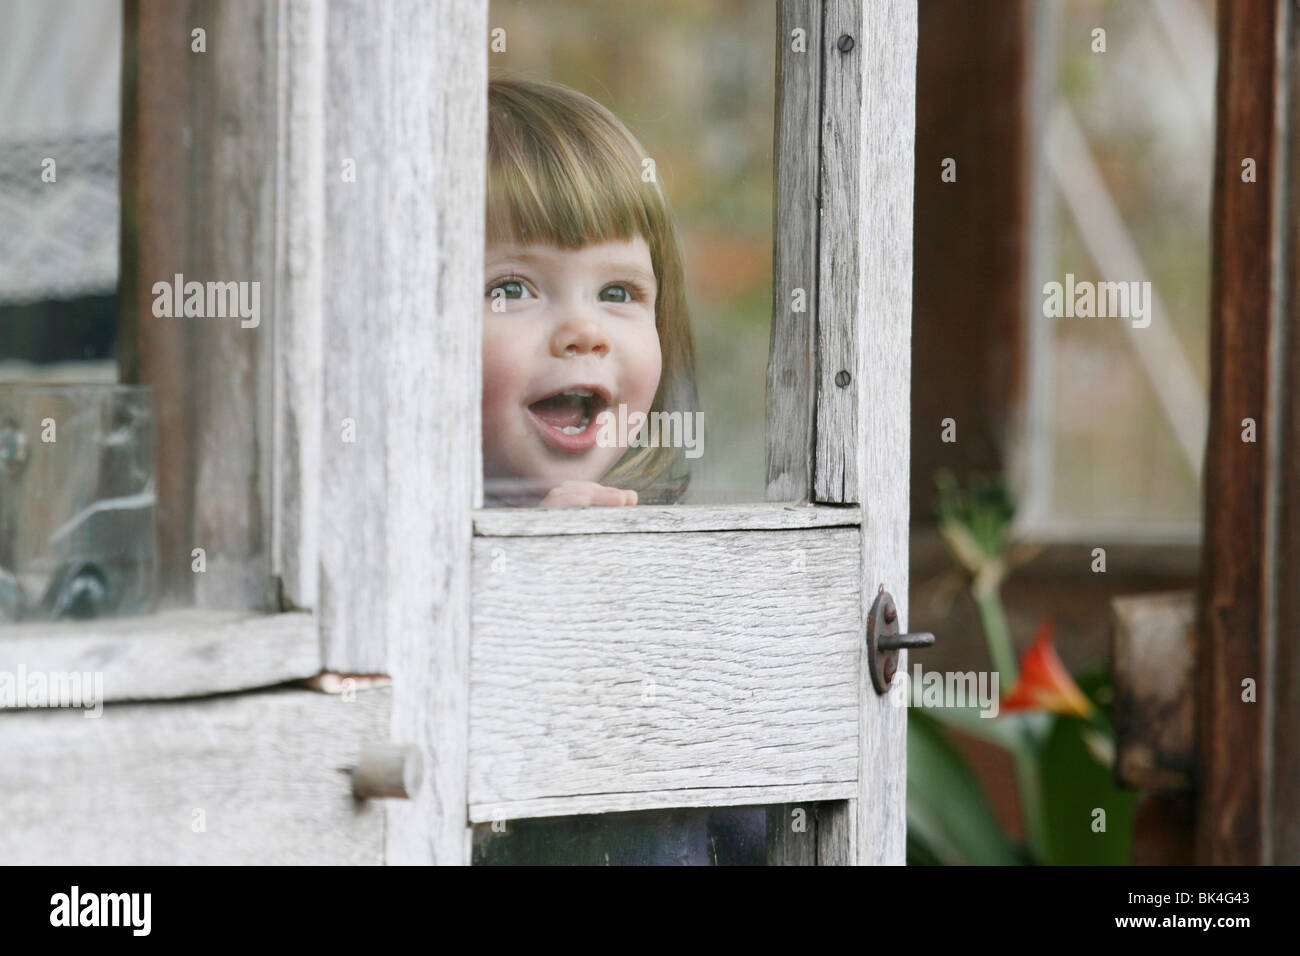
60	101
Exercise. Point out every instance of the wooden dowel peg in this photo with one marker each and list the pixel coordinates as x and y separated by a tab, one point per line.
386	770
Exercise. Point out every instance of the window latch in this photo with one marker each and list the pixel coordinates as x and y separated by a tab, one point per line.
884	642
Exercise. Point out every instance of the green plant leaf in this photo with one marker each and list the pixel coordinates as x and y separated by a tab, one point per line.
1098	687
949	820
1075	786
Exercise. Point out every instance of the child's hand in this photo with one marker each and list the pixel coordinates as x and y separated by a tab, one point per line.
584	494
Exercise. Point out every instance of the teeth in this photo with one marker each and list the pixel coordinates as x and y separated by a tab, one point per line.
577	429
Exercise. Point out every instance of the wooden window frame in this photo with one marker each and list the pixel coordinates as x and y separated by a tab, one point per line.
861	107
222	179
372	556
238	422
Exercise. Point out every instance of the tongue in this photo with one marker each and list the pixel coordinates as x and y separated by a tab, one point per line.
560	411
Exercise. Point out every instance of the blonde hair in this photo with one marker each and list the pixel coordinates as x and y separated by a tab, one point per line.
564	171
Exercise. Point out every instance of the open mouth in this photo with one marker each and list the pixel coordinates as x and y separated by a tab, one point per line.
568	417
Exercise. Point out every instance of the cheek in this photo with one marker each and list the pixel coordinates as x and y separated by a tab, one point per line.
647	370
503	368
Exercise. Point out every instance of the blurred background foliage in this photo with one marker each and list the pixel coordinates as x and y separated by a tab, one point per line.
1057	733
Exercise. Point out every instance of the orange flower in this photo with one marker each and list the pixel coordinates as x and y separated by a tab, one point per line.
1044	682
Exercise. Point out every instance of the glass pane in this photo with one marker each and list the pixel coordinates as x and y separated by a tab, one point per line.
76	460
77	501
667	168
59	192
714	836
1123	234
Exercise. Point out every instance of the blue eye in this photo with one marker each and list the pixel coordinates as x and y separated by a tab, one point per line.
508	289
624	293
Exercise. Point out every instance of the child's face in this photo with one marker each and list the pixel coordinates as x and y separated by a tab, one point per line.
557	320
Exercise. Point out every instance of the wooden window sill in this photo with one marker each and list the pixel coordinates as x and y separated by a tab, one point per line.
172	654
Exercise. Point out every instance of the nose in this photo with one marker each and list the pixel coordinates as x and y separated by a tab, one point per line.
579	335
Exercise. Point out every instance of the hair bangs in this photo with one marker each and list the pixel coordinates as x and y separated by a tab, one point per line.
566	181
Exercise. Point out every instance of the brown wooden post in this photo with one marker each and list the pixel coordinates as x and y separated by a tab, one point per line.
1248	612
1285	815
969	360
199	165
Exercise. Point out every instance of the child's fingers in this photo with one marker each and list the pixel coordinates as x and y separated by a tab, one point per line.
573	494
583	494
611	497
561	497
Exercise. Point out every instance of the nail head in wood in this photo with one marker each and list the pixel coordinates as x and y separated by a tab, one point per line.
386	770
845	43
842	378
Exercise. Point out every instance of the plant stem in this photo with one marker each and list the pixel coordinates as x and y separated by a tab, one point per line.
1029	788
996	633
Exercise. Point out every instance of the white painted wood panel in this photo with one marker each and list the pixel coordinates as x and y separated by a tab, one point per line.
883	129
299	289
171	654
407	105
755	517
840	308
361	293
623	663
267	770
791	391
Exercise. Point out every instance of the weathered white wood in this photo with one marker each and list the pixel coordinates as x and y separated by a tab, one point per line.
514	522
712	664
299	287
790	367
879	130
267	772
837	833
624	663
169	655
839	278
407	105
563	711
660	799
360	295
